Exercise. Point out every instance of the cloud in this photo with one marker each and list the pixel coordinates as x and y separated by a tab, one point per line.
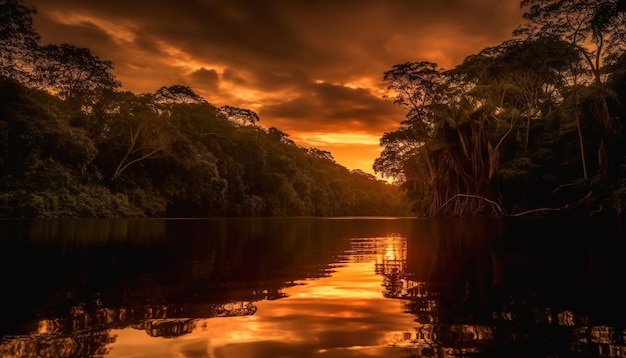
304	66
335	108
207	78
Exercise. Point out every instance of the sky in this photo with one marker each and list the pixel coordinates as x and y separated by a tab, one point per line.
313	69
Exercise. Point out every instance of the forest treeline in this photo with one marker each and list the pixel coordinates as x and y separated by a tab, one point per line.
530	126
72	144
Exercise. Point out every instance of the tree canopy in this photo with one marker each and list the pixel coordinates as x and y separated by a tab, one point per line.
73	145
514	128
531	125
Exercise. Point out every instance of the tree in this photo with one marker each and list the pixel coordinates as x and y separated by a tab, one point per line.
177	94
240	116
526	75
464	157
364	174
20	130
131	132
321	154
583	24
19	42
447	150
607	15
75	75
277	134
414	86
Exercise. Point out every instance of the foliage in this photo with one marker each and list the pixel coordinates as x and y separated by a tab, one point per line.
130	158
72	145
19	42
531	125
74	74
176	94
514	128
240	116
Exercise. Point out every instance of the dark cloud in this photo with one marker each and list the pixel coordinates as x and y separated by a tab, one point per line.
207	78
278	78
234	77
330	107
305	65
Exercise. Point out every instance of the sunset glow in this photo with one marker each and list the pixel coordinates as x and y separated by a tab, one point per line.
324	139
315	72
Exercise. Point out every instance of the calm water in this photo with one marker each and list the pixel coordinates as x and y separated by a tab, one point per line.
306	287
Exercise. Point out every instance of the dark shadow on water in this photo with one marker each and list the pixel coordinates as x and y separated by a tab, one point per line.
516	288
81	278
482	288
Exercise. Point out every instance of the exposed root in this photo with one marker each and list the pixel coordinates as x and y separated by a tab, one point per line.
493	203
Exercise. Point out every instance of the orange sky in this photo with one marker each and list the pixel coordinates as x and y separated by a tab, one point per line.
310	68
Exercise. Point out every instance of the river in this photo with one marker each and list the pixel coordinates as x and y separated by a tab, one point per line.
312	287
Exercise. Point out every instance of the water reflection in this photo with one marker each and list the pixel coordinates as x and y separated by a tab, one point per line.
310	287
520	289
79	286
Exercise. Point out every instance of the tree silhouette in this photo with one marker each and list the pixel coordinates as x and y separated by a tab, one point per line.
240	116
19	43
74	74
177	94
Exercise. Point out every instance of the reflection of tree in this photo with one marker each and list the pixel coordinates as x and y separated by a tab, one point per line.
168	328
390	263
424	308
230	309
111	275
393	283
474	294
86	331
76	344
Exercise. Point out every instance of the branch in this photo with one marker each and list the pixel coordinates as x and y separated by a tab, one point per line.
537	210
554	209
121	167
568	206
475	197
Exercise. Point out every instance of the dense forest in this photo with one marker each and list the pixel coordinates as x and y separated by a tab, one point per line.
531	126
72	144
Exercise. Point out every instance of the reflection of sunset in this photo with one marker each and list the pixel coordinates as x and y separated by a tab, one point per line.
395	248
329	316
353	280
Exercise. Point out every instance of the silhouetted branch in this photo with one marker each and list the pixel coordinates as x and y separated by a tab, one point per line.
493	203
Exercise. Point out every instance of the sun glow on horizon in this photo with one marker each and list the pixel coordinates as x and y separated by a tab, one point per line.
318	138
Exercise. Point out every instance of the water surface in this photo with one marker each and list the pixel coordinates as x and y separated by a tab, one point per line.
311	287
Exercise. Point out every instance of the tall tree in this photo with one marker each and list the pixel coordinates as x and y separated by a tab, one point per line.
576	22
19	42
444	147
415	87
75	74
523	75
131	131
